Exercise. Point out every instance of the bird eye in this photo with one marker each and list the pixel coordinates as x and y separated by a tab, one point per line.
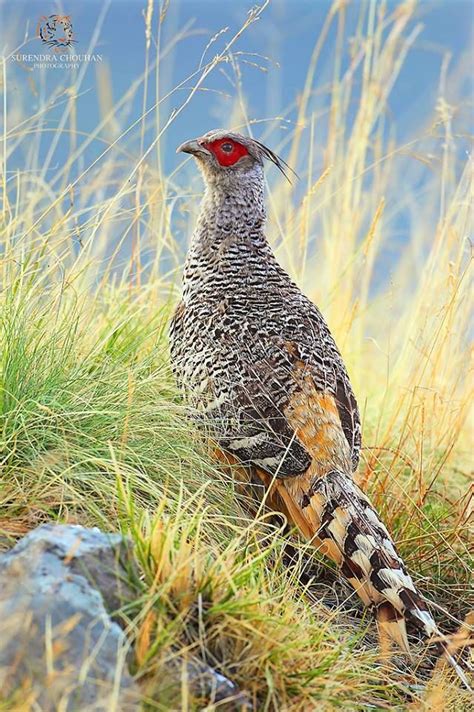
227	147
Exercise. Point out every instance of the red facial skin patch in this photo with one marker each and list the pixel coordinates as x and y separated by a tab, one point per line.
227	151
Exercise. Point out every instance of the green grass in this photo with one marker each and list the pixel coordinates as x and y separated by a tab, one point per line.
94	432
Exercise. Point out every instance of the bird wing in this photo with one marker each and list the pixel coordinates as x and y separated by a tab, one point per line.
313	345
258	431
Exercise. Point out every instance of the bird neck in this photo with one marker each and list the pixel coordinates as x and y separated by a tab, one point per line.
232	207
229	232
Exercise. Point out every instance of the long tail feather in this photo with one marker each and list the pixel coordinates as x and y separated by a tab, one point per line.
337	516
392	627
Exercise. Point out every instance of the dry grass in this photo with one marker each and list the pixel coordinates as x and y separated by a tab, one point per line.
93	430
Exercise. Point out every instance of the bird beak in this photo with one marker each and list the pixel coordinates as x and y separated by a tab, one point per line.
193	147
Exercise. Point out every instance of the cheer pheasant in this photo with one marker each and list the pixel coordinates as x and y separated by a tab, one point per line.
257	359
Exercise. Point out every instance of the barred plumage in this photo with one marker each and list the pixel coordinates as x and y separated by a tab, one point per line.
257	360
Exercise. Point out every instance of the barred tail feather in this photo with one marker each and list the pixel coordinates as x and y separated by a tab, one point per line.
338	517
392	627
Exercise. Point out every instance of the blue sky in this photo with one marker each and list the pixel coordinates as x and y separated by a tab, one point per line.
281	41
286	34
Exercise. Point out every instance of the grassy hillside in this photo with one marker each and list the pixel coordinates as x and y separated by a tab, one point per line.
94	432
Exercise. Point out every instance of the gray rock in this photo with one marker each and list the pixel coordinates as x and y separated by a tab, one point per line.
57	640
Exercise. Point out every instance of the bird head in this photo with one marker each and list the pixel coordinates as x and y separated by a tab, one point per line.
228	157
